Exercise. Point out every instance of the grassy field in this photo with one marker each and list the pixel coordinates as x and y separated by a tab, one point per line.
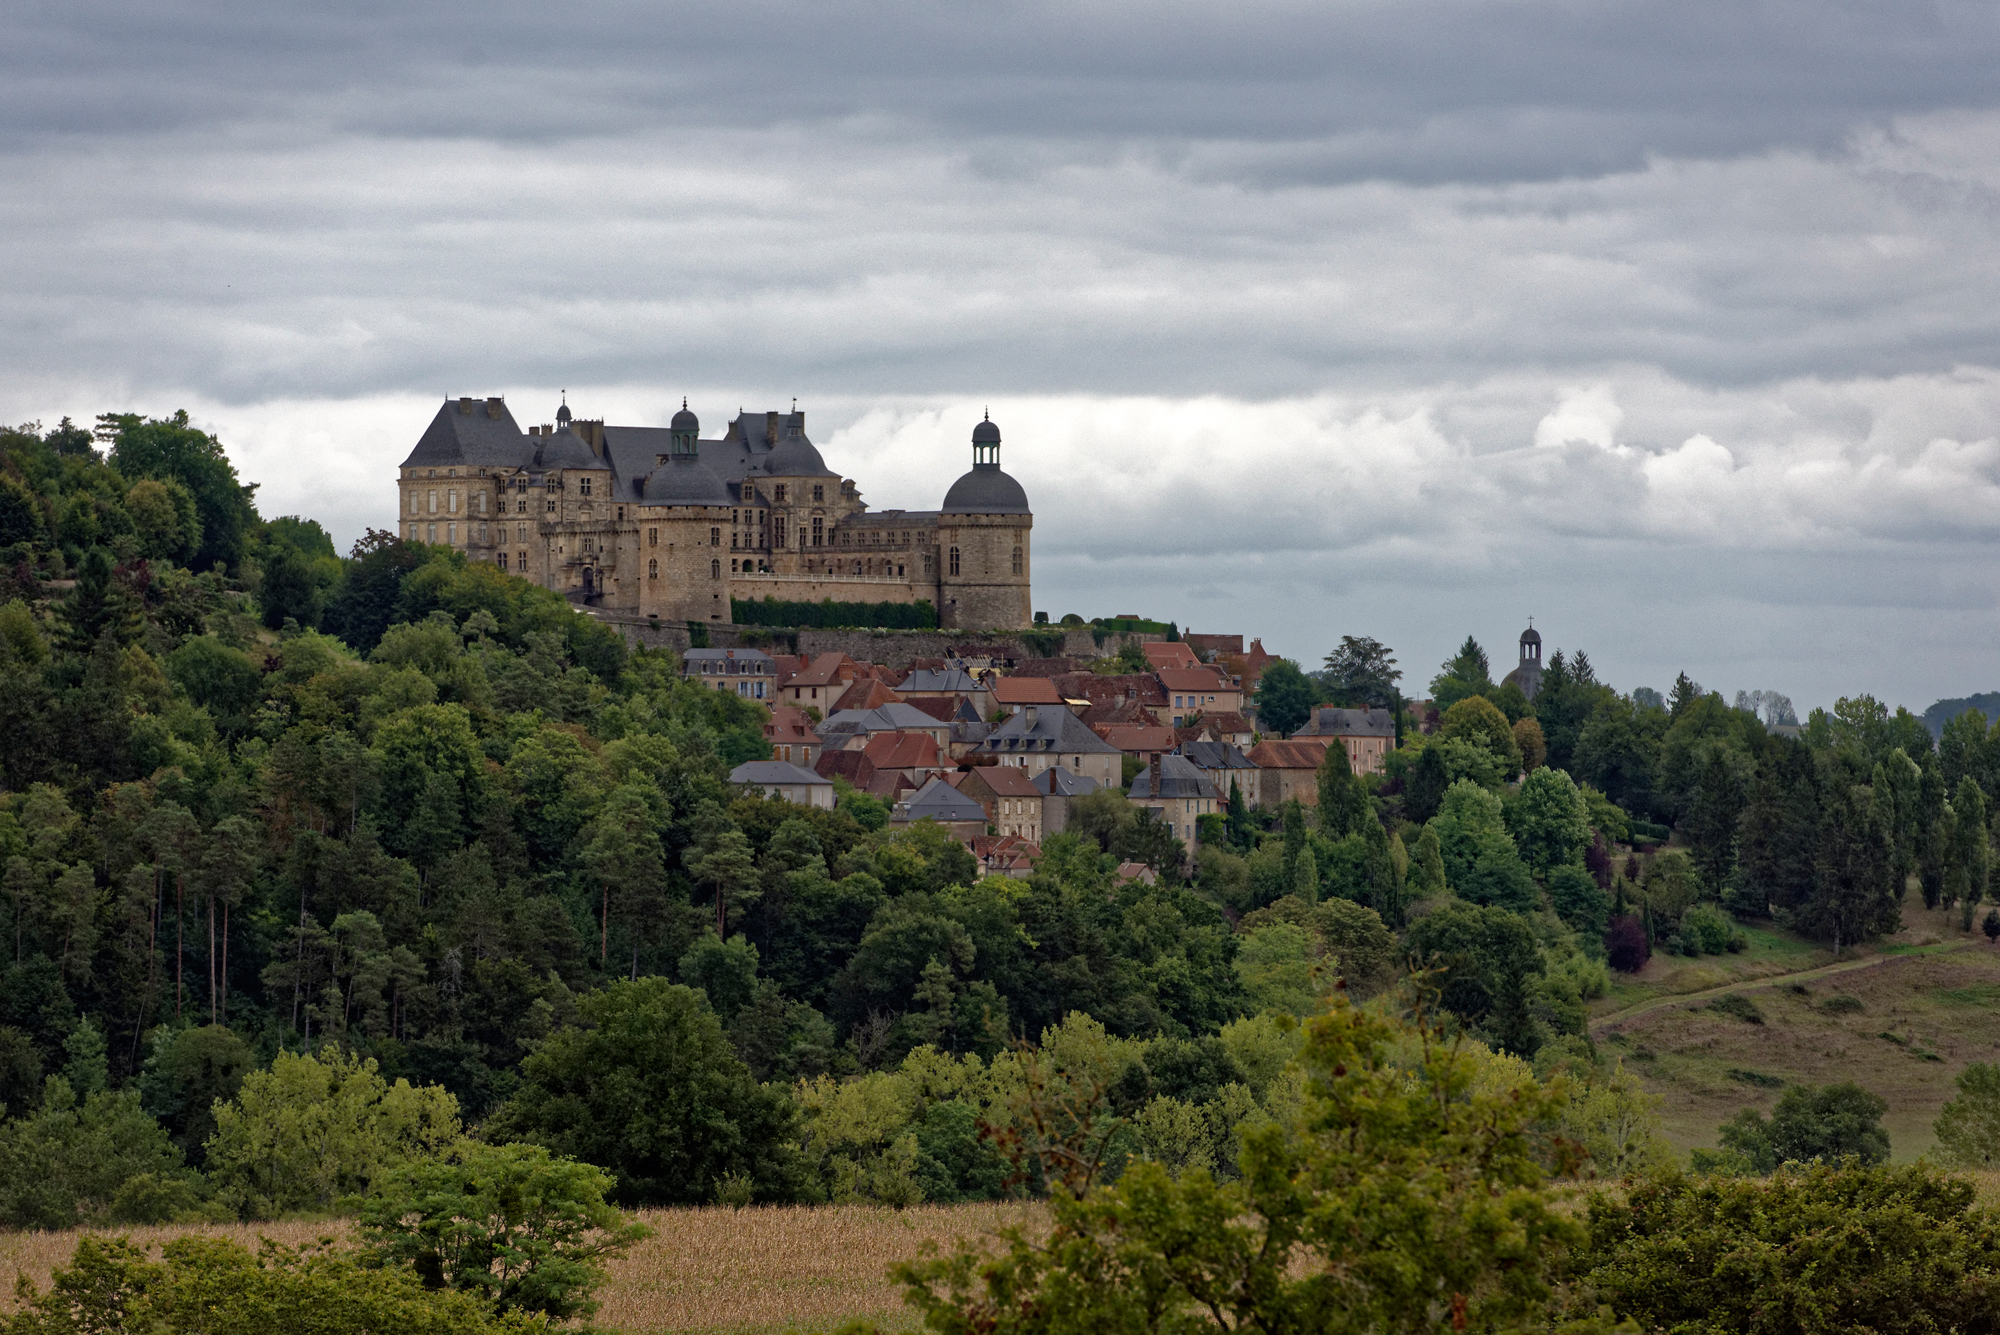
1901	1019
759	1270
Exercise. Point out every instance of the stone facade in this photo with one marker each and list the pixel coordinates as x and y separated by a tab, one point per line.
657	523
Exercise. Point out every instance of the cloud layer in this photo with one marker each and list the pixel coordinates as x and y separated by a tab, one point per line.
1672	325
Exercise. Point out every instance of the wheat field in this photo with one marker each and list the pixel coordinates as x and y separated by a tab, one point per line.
764	1269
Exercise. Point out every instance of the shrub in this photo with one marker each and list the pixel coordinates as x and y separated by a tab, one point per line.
1842	1004
1739	1006
1625	944
1810	1125
1707	930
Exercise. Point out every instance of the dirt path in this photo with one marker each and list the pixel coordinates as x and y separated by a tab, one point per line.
1774	980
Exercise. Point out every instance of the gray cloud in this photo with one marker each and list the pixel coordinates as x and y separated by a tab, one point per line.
1671	324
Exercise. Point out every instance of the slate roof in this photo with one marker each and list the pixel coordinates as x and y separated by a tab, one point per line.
1054	731
946	708
1134	737
895	717
1178	779
475	433
774	771
1057	782
956	681
939	801
853	766
1216	756
1328	722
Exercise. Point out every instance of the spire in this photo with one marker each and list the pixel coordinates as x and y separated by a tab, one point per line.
562	412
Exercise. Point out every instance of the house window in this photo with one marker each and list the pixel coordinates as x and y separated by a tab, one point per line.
502	559
819	529
819	493
954	560
715	537
715	570
652	537
583	486
652	569
1017	560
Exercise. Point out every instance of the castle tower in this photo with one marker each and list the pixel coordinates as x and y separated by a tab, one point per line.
1528	673
982	538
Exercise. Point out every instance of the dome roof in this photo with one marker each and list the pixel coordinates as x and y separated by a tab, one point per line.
1531	636
795	456
986	433
985	491
685	420
562	413
686	480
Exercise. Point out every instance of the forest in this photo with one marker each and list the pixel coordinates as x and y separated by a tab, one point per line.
320	869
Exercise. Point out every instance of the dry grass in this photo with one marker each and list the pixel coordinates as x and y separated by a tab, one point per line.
776	1269
784	1268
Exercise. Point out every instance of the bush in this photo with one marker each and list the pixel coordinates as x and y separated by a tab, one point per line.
1810	1125
1842	1004
1625	944
521	1228
1739	1006
1707	930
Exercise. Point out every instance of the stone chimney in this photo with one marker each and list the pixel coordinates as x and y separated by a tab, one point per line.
493	408
771	428
465	405
1154	767
1029	714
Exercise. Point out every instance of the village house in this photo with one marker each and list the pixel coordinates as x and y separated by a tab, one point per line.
1013	803
947	684
1180	793
1287	770
1225	766
791	736
1059	787
915	754
937	800
749	673
1010	694
795	784
1198	690
1368	734
1039	737
818	681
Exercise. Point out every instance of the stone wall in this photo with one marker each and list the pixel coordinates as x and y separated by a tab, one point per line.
894	648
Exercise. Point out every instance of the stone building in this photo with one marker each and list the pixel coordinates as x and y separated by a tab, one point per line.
1528	674
657	522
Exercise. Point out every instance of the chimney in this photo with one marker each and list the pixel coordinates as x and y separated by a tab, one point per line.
465	405
771	428
493	407
1029	714
1155	768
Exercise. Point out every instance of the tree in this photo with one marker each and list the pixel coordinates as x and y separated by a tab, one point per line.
1362	674
651	1091
1968	1129
64	1164
1343	803
1424	790
625	858
187	1072
163	512
1466	673
1968	855
1486	958
1549	822
1711	822
1901	1251
524	1230
1533	747
727	863
1480	860
1427	866
1399	1198
319	1127
171	448
1811	1125
1477	720
1285	697
1579	901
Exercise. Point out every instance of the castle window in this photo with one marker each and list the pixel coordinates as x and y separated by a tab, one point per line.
735	517
1017	560
520	532
431	533
954	560
715	570
501	560
778	531
583	487
715	538
482	532
451	534
653	569
621	514
551	506
732	567
819	531
521	507
521	562
927	563
652	537
433	500
734	541
778	493
520	482
819	493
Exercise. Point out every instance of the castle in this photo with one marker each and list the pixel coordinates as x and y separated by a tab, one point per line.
657	522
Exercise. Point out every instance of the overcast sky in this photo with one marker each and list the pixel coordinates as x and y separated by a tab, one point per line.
1673	324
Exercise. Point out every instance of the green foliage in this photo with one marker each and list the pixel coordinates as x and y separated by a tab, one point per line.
1485	961
316	1129
64	1164
1821	1251
1477	721
526	1231
648	1087
1480	861
1578	900
1387	1198
1465	674
1549	821
1707	930
1362	674
1810	1125
1285	697
186	1073
211	1286
1968	1130
827	614
170	449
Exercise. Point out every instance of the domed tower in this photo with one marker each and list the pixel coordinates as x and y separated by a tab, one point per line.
683	432
1528	674
563	413
983	560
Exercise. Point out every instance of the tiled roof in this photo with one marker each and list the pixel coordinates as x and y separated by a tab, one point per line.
865	693
1026	691
1329	722
938	800
1178	778
1133	737
1043	667
957	681
853	766
1007	781
946	708
1143	687
1056	781
1287	755
902	750
773	771
1193	679
1163	655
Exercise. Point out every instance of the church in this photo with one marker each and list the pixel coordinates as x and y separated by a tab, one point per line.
658	522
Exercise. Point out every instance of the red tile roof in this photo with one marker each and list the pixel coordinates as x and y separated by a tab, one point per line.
865	693
1288	755
1161	654
1135	738
1007	781
1026	691
1193	679
853	766
903	750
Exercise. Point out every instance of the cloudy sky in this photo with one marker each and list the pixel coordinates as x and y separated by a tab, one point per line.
1673	323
